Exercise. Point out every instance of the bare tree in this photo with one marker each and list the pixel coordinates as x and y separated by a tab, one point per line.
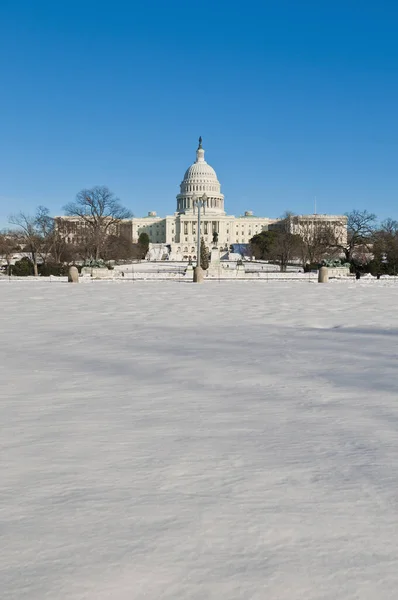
101	210
61	250
278	245
285	248
8	245
318	241
286	245
32	231
385	248
361	226
117	247
45	226
389	226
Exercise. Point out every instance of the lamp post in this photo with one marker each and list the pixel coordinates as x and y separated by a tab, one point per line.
384	260
198	203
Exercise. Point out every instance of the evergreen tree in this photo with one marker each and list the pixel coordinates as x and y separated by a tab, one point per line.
143	243
204	255
23	267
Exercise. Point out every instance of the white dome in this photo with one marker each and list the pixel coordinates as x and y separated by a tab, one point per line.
200	178
200	171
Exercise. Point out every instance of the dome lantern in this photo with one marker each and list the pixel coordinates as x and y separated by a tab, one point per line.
200	153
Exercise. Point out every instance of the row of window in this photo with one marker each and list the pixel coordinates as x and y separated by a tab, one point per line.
238	241
200	188
205	226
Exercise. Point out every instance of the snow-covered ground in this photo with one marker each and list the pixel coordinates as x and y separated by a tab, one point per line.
183	442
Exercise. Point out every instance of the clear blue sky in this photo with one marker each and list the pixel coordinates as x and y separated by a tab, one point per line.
293	100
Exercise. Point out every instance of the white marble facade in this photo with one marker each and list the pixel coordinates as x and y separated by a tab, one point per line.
175	236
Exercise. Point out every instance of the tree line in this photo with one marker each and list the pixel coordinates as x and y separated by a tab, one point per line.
51	243
48	242
369	247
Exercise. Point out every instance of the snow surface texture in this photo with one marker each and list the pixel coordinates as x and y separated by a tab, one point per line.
184	442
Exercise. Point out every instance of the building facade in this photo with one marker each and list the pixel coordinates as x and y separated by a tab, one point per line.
175	236
178	231
308	227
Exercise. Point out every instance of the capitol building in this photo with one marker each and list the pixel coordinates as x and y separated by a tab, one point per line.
176	235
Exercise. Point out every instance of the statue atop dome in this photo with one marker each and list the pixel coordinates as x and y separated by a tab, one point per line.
200	143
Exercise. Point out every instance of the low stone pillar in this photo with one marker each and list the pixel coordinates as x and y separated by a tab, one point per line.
73	275
323	275
198	275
